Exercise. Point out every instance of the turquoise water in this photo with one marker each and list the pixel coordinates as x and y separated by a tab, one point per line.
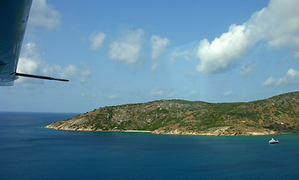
30	152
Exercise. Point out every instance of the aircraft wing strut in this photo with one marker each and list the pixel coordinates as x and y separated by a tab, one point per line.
40	77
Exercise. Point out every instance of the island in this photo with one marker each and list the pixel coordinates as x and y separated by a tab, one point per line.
275	115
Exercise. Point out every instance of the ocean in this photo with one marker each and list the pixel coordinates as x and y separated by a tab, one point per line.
30	152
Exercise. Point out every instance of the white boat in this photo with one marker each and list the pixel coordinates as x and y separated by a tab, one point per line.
273	141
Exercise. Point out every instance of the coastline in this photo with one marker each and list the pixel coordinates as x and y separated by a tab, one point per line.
175	132
136	131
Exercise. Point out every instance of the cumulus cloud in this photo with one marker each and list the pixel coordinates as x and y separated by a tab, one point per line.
159	45
127	48
79	72
283	29
43	15
223	52
30	62
278	24
97	39
269	81
291	78
248	68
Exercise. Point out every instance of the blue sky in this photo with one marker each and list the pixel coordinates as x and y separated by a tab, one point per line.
117	52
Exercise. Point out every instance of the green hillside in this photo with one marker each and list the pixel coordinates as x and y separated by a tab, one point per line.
278	114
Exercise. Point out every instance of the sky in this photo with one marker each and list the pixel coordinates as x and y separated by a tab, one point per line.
117	52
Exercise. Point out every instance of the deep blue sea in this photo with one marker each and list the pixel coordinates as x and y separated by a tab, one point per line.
30	152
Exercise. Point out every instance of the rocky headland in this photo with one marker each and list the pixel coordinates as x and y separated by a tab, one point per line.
275	115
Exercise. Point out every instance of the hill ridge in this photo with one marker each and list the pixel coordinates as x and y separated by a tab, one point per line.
277	114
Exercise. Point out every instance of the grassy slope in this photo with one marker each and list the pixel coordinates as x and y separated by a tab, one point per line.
279	113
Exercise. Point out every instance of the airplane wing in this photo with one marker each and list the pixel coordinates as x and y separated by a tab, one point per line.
14	16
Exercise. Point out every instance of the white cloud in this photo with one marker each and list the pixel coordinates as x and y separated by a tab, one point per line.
79	72
291	78
269	81
43	15
227	93
28	65
177	53
222	53
69	71
282	24
248	68
127	48
159	45
84	73
278	24
97	39
30	62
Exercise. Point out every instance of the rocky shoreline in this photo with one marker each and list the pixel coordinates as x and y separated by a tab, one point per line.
220	131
